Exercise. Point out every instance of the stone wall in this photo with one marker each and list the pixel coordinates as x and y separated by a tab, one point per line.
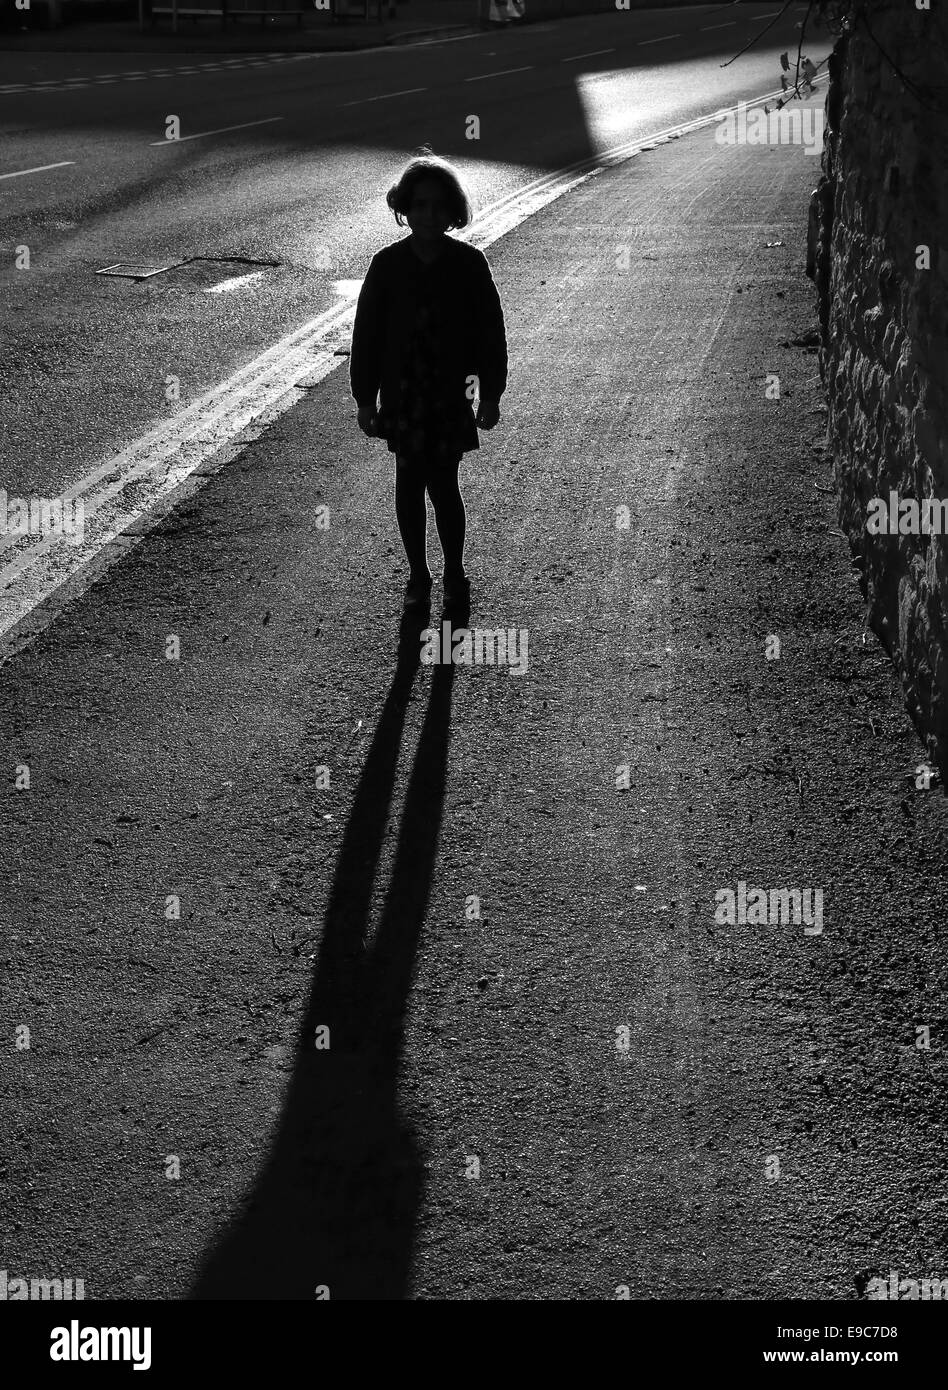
884	321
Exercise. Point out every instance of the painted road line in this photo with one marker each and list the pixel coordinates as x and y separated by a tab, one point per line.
245	125
505	73
362	101
576	57
275	366
159	465
234	281
348	289
40	169
125	495
643	43
729	24
415	43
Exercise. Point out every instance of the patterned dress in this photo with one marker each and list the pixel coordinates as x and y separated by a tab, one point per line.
423	332
429	424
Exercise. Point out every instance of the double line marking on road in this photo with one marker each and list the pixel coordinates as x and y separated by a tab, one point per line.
60	84
40	575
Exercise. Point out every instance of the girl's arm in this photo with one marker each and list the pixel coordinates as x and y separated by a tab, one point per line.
365	357
492	335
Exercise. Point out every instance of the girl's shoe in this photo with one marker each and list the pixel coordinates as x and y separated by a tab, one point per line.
418	593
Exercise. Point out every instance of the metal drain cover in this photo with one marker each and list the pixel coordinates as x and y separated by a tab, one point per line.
136	270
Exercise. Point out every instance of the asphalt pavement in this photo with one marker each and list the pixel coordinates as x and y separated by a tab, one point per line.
551	1069
281	169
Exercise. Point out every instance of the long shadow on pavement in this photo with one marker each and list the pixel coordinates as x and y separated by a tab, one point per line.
337	1203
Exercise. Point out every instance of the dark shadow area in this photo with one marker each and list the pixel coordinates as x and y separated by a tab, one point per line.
337	1202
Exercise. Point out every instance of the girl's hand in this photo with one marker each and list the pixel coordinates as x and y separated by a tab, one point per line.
368	421
488	413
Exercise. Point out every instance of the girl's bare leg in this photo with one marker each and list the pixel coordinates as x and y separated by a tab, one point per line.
450	516
411	514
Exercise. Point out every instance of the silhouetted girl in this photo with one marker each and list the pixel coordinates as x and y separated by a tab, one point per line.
429	321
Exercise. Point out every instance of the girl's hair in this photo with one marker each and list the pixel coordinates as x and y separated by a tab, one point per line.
428	165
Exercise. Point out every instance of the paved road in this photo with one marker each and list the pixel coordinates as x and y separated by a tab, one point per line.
554	1071
85	359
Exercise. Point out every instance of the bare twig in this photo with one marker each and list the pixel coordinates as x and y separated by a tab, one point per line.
750	45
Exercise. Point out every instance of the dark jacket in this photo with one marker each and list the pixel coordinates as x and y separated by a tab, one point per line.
473	340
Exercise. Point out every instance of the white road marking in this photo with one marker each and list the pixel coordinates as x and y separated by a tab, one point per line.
756	18
643	43
415	43
348	289
385	95
9	89
234	281
61	84
244	125
729	24
124	496
595	54
40	168
504	73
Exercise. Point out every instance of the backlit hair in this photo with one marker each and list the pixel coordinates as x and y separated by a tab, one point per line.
427	165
